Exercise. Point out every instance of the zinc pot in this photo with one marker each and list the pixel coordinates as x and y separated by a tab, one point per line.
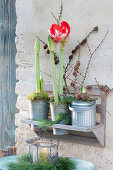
56	109
83	113
38	110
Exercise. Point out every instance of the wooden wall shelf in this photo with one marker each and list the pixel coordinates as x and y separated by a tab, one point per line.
99	131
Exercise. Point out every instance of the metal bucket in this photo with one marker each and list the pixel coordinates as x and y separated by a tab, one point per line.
83	113
57	108
38	110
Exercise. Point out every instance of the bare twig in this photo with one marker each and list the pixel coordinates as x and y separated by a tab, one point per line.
41	40
55	18
79	45
96	81
49	75
72	80
100	42
61	11
60	14
91	55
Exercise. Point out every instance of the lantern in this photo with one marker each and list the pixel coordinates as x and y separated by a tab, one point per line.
42	149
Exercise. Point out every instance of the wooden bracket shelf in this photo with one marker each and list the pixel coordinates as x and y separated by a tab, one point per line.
99	131
95	129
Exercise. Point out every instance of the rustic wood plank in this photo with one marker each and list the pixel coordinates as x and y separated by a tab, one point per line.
65	127
98	108
103	107
7	72
100	135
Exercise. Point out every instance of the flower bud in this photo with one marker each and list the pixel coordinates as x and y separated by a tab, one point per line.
48	52
76	68
71	57
45	46
64	89
74	73
51	44
95	28
78	96
83	41
106	89
89	87
77	47
37	46
78	63
73	51
101	87
72	83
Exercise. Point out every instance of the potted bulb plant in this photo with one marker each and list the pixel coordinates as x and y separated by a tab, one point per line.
58	34
38	101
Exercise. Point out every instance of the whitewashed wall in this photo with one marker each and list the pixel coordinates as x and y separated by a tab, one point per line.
34	18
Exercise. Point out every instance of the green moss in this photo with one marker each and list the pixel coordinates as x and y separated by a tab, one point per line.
23	163
38	96
65	99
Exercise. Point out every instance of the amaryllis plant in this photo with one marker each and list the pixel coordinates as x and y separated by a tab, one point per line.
58	34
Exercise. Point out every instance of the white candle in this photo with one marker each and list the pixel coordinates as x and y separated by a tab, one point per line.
43	154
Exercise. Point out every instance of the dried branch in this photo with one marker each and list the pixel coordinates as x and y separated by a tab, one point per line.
61	11
78	46
60	14
55	18
100	42
103	87
49	75
41	40
72	81
91	55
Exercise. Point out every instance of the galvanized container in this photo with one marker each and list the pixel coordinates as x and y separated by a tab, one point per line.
38	110
83	113
57	108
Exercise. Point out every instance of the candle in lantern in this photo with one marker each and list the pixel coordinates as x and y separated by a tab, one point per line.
43	154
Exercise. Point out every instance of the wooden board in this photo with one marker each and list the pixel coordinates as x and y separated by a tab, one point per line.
7	72
66	127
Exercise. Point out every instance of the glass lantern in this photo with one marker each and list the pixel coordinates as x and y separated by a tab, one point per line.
42	149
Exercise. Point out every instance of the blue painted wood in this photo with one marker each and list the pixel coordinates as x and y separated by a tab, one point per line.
7	72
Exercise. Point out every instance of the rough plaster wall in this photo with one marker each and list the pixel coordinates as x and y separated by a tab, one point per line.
34	18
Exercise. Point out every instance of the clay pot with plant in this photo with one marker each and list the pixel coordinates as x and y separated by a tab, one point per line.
38	101
58	34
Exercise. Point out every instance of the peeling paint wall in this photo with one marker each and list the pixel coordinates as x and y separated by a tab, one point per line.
34	18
